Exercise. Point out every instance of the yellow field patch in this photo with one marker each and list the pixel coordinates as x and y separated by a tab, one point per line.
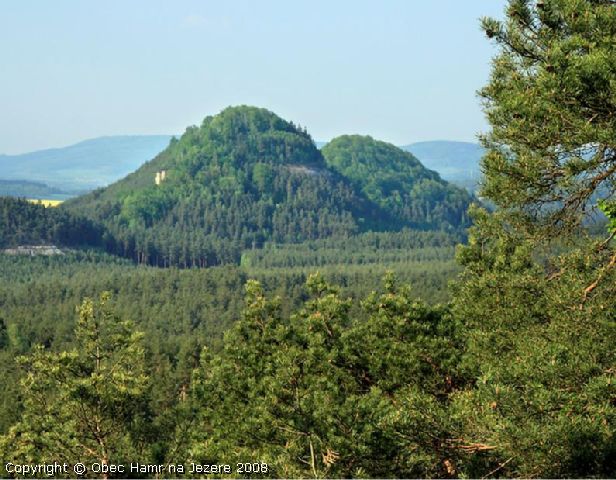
47	203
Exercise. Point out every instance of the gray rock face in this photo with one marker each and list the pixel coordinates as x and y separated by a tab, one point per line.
34	250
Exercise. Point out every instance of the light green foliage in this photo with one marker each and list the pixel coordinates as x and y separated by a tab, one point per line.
146	205
86	404
609	209
262	176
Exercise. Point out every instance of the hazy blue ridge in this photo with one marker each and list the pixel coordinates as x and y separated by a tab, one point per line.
85	165
457	162
28	189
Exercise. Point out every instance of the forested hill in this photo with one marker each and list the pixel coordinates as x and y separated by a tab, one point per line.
246	177
397	182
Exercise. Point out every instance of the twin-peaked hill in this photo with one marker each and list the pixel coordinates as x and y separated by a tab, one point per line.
246	177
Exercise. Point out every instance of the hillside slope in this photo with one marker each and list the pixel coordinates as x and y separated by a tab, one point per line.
101	161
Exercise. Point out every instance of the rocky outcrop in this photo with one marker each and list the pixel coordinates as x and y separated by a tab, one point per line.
34	250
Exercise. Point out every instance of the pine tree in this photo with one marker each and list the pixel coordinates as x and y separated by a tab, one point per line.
537	296
550	103
318	395
4	335
86	404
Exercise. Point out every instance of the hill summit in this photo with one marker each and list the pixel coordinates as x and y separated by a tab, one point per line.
246	177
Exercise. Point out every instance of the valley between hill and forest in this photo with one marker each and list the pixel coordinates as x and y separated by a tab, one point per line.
246	298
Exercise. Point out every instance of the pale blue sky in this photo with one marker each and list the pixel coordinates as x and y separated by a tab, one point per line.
400	70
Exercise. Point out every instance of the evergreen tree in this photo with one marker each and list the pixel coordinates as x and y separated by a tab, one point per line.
4	334
87	404
550	102
318	395
542	356
537	297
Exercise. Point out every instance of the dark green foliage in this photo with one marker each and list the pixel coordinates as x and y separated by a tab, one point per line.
4	335
368	248
516	377
363	414
181	310
26	223
537	298
541	349
397	182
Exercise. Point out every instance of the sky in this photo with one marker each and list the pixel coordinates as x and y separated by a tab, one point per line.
400	70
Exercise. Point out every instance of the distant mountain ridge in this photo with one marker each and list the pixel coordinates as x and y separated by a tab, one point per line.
85	165
458	162
27	189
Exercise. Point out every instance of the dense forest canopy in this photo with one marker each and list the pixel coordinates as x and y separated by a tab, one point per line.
27	223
